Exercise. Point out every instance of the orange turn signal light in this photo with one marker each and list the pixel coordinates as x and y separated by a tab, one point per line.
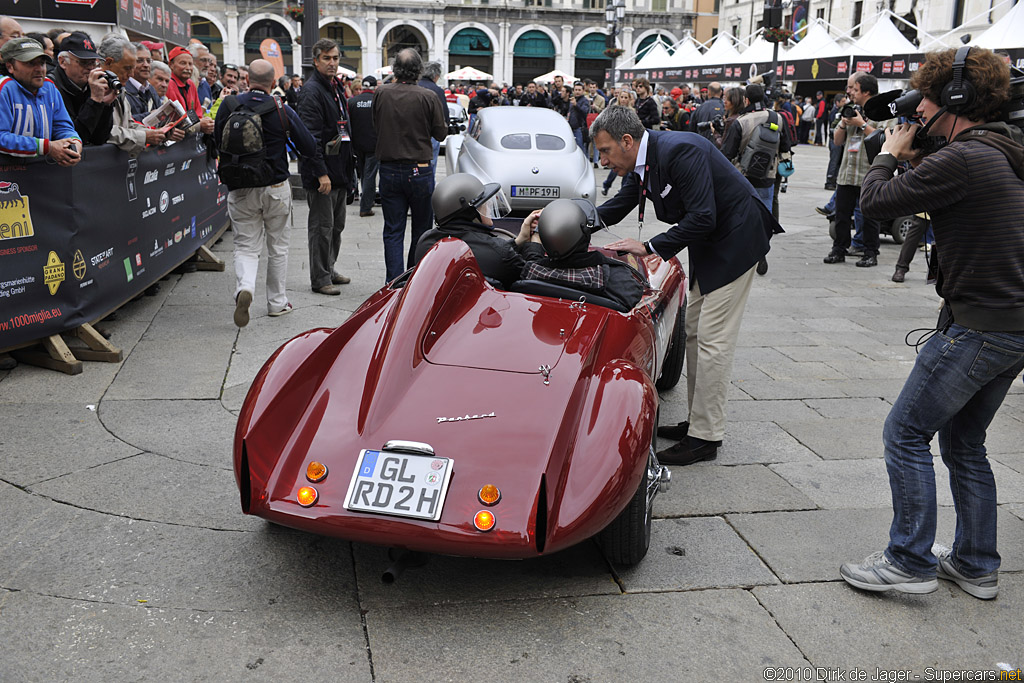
316	471
484	520
307	496
489	494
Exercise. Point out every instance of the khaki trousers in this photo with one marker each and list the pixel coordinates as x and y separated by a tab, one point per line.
712	328
258	215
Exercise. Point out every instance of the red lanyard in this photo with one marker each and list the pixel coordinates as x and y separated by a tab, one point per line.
643	194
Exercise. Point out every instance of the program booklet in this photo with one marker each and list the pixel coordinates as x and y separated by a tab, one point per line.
169	113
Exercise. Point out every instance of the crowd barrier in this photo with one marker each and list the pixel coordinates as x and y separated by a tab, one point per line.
77	243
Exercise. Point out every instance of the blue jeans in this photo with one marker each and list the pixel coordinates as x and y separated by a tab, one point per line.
436	146
404	188
955	389
766	194
578	134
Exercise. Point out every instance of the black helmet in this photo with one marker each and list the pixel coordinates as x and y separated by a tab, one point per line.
565	225
463	196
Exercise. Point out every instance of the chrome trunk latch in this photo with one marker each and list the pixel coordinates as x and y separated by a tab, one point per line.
546	371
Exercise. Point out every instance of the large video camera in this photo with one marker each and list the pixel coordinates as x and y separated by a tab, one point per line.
895	103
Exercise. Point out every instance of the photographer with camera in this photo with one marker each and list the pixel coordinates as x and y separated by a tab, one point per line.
672	118
755	142
973	188
850	133
713	109
82	85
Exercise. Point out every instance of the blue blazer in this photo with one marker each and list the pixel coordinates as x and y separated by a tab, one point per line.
712	208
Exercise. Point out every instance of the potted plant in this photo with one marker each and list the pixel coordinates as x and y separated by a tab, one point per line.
613	52
777	34
295	12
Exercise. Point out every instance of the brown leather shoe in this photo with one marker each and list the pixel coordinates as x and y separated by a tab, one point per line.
676	431
899	275
331	290
339	279
683	454
364	214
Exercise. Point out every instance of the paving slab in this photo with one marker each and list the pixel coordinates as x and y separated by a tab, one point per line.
765	411
801	370
697	636
156	489
761	389
850	407
810	545
41	441
1014	462
200	432
49	638
179	368
865	483
718	489
838	439
60	550
581	570
835	625
821	353
693	553
1005	435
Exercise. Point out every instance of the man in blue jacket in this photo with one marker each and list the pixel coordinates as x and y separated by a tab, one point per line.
717	215
48	131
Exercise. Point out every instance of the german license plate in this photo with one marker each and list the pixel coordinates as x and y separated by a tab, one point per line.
399	484
535	191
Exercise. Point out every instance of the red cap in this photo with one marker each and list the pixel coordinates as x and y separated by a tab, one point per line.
177	52
676	92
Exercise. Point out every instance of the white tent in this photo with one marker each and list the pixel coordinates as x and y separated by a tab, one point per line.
816	43
761	51
1006	33
884	39
468	73
550	76
656	58
686	54
722	51
345	71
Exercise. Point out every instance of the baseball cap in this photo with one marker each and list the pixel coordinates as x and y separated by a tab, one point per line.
80	45
676	92
22	50
369	82
177	52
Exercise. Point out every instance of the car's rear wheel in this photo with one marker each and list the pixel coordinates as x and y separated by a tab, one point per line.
902	226
625	541
672	368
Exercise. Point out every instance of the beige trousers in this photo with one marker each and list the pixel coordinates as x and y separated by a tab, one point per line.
712	328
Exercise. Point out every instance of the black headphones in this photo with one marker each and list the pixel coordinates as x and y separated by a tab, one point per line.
959	93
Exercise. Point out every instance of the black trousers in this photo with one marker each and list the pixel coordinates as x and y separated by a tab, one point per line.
846	201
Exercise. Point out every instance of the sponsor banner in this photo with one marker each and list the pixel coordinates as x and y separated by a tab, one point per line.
160	19
98	11
117	225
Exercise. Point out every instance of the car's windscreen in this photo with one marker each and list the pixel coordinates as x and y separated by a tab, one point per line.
516	141
549	142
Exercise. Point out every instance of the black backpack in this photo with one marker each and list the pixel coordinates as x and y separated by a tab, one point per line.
243	155
758	160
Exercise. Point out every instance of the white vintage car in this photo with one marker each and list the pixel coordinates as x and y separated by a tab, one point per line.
530	151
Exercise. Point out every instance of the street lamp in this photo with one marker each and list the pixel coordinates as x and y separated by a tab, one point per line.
614	16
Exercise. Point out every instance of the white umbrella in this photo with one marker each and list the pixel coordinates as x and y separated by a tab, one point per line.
468	73
550	76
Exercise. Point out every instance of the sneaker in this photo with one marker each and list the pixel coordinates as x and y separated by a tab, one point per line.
604	191
835	257
830	186
867	261
284	311
877	573
855	251
823	210
242	301
984	587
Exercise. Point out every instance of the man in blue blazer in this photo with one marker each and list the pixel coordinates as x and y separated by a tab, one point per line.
715	213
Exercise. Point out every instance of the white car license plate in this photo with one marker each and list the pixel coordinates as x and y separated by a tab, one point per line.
534	191
399	484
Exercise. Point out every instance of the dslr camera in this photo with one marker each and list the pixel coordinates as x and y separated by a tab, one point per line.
716	124
850	110
113	82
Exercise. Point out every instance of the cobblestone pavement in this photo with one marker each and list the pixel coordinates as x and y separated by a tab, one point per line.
124	555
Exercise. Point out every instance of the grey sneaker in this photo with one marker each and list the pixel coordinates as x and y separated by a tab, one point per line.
876	573
242	301
984	587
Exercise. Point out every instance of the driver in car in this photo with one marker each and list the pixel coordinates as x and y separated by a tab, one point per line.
563	231
465	208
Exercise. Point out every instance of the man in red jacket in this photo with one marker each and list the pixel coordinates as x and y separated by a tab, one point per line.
183	90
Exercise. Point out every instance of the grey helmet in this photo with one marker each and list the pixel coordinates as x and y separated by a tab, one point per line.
565	225
460	196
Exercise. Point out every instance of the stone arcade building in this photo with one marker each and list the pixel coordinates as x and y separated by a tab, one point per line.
515	40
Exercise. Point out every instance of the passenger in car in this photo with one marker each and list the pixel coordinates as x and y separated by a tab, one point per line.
563	231
465	208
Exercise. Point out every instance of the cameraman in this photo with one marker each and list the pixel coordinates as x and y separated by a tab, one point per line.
672	118
850	133
974	190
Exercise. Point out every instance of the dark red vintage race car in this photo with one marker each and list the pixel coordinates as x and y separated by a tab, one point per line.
451	417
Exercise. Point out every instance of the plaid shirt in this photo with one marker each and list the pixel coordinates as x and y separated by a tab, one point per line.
855	159
590	277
